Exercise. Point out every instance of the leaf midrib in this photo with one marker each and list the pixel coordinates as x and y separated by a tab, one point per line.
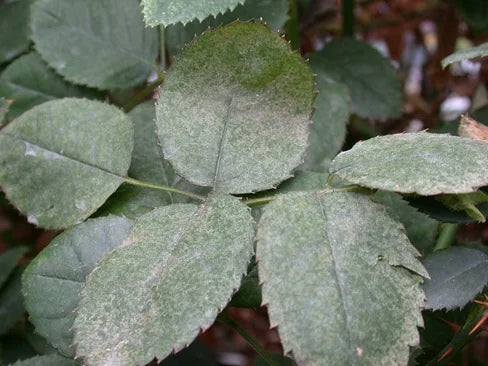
22	139
336	275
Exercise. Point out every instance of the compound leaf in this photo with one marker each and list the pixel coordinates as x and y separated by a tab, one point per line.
168	12
28	81
345	268
61	160
99	43
53	280
479	51
273	12
14	29
457	275
372	80
235	109
175	271
422	163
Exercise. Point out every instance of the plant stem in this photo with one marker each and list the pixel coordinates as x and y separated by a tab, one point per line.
136	182
348	19
460	339
148	90
447	236
226	319
258	201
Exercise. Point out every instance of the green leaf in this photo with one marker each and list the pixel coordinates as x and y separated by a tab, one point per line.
185	262
249	294
61	160
28	82
457	274
8	262
479	51
168	12
148	163
99	43
14	29
422	163
329	121
335	269
47	360
234	110
372	80
304	181
437	210
53	280
11	307
273	12
421	229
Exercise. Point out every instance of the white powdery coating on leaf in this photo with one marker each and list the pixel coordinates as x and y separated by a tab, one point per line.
422	163
343	266
177	269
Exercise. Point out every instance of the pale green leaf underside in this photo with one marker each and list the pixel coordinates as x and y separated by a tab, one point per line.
14	29
478	51
234	110
61	160
4	108
372	80
273	12
329	122
168	12
28	81
422	163
52	282
457	274
99	43
176	270
46	360
343	265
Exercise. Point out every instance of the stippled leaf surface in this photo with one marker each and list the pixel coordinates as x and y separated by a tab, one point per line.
373	84
168	12
422	163
52	282
28	81
478	51
330	118
14	29
234	110
61	160
344	267
273	12
99	43
176	270
47	360
421	229
11	306
249	294
8	262
457	274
